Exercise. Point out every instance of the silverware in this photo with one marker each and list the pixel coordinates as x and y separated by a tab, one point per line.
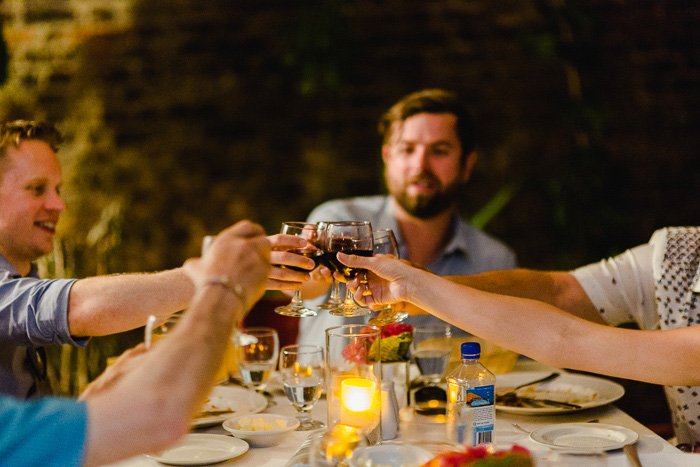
632	454
510	396
538	403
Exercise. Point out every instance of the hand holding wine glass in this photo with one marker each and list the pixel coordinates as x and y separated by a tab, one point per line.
310	233
385	244
351	237
302	372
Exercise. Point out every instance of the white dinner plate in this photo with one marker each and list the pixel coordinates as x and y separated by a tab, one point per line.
201	449
568	387
240	400
584	437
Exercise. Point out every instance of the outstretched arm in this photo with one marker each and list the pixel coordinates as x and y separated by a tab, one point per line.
150	406
110	304
534	328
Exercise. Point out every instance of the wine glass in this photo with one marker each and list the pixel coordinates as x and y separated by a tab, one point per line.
353	238
301	369
257	360
310	232
334	300
430	350
385	244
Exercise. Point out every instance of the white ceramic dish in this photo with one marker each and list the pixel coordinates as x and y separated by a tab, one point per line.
404	455
584	437
261	438
606	391
201	449
239	400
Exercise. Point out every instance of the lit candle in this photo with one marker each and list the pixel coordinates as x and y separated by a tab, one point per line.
357	397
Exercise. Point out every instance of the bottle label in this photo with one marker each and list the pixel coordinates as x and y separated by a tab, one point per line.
480	404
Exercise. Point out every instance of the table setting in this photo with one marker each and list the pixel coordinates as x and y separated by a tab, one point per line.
376	395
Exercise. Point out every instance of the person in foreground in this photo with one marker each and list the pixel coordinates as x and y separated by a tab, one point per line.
567	319
428	149
36	312
146	400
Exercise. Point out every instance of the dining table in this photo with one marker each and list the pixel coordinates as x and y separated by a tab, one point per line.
510	429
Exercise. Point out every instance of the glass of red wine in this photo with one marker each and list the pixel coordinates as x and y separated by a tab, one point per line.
334	300
310	232
353	238
385	244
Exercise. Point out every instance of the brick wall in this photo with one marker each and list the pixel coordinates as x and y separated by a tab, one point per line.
192	115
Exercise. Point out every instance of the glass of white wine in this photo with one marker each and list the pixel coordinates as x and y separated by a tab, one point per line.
257	360
301	368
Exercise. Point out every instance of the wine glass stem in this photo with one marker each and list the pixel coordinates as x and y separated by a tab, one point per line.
303	415
335	291
296	298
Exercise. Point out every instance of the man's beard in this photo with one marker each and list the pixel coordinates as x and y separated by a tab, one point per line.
427	206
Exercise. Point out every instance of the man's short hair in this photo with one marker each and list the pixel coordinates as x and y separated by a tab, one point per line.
13	133
434	101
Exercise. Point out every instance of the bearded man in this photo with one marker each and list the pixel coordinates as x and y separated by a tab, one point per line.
428	153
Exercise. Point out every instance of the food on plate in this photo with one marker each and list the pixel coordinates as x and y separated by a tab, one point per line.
479	456
555	391
260	424
216	405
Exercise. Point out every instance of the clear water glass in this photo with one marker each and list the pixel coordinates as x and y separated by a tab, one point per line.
257	360
430	351
302	370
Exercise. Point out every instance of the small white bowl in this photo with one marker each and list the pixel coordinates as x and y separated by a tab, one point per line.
261	438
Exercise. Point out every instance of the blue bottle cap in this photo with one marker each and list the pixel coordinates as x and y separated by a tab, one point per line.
471	350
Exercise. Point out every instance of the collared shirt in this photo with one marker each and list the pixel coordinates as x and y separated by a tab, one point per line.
469	251
33	313
49	432
656	286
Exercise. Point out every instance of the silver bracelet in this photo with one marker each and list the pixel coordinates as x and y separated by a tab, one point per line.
224	281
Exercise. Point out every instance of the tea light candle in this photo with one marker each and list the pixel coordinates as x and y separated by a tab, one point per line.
357	396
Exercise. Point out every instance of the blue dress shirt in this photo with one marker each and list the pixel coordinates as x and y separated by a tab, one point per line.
33	313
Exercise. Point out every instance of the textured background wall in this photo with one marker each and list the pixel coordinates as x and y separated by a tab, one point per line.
192	115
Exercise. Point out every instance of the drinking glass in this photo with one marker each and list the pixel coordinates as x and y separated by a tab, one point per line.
257	360
430	351
353	238
335	446
310	232
334	300
385	244
302	368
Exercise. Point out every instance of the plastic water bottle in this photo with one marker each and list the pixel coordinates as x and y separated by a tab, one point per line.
470	400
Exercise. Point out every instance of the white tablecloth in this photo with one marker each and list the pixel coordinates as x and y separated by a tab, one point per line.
654	450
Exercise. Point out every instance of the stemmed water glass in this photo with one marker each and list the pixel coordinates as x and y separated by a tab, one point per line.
353	238
385	244
257	360
301	369
334	300
430	350
310	232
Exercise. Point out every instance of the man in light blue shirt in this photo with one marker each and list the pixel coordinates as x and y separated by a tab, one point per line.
35	312
428	152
